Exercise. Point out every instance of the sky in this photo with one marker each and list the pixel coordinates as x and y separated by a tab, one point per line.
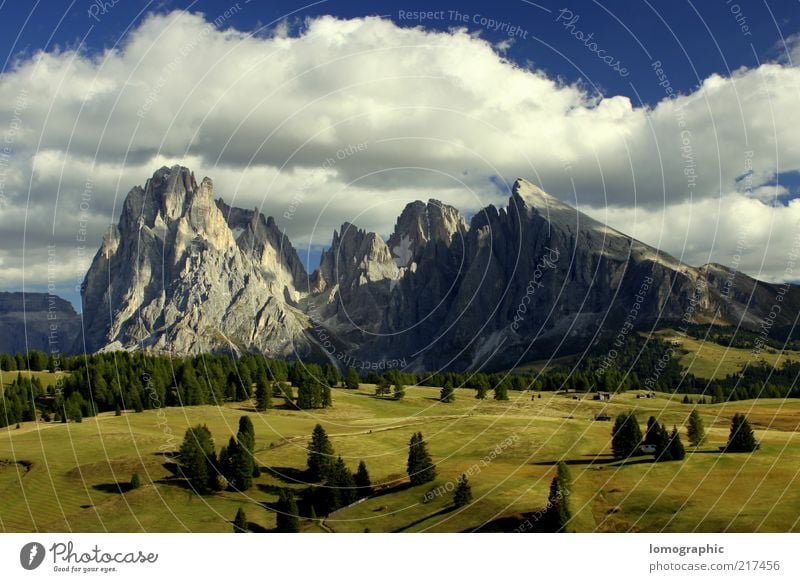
674	122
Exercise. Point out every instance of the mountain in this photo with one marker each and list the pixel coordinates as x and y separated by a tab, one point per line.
37	321
184	273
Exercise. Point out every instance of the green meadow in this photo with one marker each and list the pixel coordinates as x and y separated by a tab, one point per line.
73	476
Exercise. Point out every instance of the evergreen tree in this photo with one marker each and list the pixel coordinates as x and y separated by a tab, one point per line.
663	450
305	395
558	511
448	393
331	376
352	379
481	391
320	454
420	467
383	387
241	460
136	481
741	439
463	492
263	394
287	517
327	398
248	440
399	390
676	449
695	429
501	391
240	522
341	486
653	431
626	436
197	458
362	480
226	460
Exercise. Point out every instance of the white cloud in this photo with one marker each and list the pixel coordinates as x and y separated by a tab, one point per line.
438	115
733	230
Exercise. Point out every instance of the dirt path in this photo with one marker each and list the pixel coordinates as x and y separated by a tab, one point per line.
421	421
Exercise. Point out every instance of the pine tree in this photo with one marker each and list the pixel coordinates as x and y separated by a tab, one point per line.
136	481
341	485
286	513
663	451
501	391
320	454
558	511
651	435
420	467
226	460
448	393
383	387
399	391
626	436
326	395
240	522
676	449
248	432
241	465
463	492
481	391
352	379
331	376
695	429
197	458
362	480
263	394
741	439
305	395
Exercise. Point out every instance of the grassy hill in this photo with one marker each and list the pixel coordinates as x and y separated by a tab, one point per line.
710	360
65	477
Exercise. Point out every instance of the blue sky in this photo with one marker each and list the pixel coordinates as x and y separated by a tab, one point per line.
692	39
609	106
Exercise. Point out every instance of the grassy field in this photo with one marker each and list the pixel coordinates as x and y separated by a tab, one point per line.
46	378
704	359
64	477
710	360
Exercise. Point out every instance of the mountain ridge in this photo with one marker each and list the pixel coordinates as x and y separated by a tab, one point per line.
438	292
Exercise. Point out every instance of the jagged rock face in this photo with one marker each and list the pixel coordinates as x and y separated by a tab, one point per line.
180	274
422	223
523	281
387	295
37	321
354	281
261	239
185	274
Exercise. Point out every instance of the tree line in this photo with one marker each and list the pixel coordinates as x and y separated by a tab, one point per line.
628	441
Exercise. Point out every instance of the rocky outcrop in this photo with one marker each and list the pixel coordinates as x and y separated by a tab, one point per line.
37	321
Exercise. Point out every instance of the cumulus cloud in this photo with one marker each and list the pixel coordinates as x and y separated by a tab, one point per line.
399	114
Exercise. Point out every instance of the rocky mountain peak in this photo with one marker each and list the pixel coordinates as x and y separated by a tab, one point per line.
421	223
527	198
184	273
